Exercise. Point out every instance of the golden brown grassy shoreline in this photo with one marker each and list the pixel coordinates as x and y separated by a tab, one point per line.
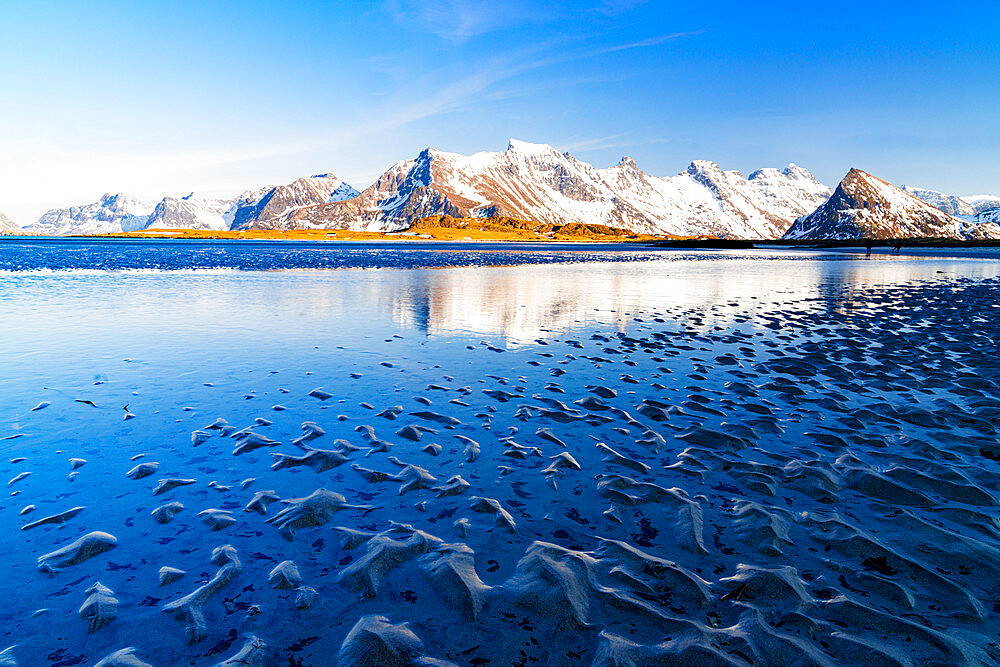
435	228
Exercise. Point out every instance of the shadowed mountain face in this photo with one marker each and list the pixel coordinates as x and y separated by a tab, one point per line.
536	182
864	206
989	215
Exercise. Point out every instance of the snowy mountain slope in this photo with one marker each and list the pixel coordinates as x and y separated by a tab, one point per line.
864	206
982	203
112	213
7	225
988	216
536	182
790	190
951	204
192	212
965	207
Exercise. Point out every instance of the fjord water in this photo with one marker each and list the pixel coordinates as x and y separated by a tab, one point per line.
798	454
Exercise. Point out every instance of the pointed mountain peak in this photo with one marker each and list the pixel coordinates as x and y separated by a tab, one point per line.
858	180
865	206
795	171
628	162
703	167
704	171
428	154
855	174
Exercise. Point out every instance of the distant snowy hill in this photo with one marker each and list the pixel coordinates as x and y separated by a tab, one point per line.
122	213
864	206
536	182
972	209
955	205
191	212
112	213
7	225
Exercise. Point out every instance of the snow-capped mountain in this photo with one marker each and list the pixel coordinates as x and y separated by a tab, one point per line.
536	182
864	206
112	213
282	201
954	205
118	213
191	212
7	225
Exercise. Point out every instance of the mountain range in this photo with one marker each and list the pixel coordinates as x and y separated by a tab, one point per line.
116	213
537	182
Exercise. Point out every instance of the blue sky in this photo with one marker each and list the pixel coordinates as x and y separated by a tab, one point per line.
217	97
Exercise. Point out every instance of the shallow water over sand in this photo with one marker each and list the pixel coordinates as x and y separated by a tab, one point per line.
798	459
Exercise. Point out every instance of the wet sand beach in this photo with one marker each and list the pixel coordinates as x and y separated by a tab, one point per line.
596	457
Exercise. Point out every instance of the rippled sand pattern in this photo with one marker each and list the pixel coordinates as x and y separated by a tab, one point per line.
811	482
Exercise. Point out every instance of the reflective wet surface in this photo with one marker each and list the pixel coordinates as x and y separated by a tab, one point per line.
749	457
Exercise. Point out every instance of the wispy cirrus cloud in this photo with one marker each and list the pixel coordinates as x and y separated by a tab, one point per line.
597	143
620	140
461	20
613	7
650	42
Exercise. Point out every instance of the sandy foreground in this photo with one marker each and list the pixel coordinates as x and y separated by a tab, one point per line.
811	482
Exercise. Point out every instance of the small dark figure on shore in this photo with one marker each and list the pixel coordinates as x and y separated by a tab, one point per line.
896	248
868	248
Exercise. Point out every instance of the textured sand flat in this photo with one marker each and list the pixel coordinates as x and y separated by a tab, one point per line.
814	480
